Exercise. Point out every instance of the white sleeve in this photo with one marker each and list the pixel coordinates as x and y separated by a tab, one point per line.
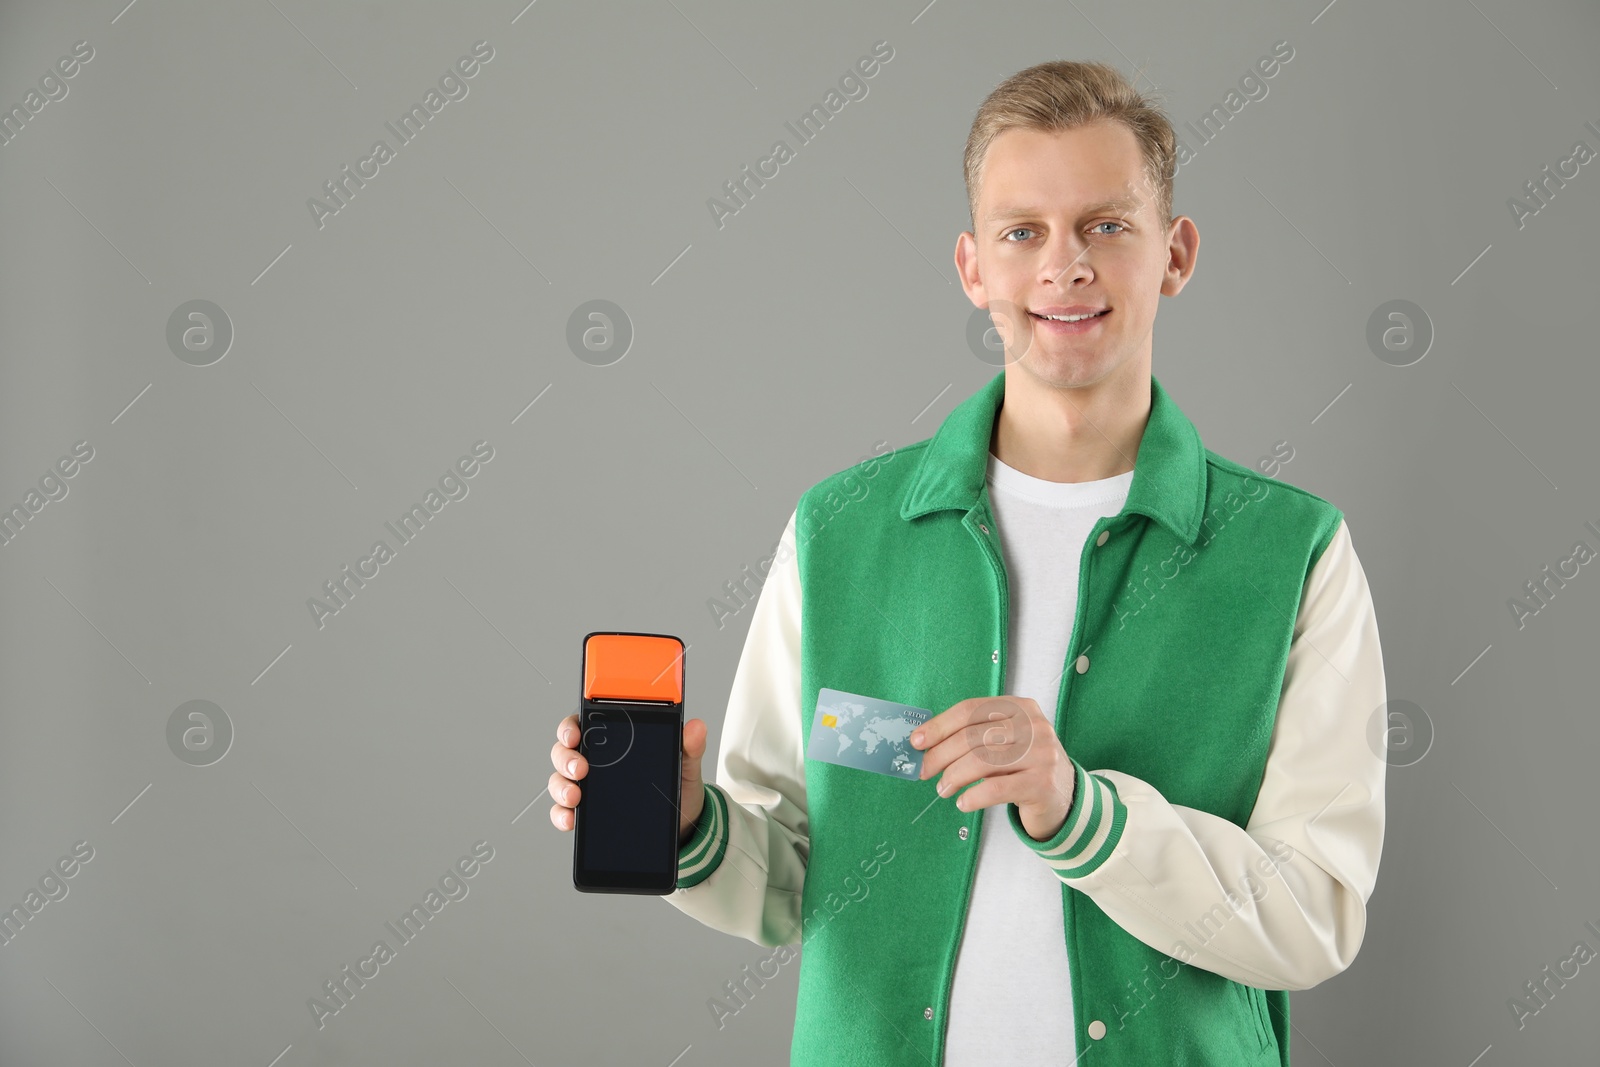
743	870
1281	902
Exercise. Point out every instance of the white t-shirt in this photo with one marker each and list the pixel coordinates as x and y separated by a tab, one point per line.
1011	994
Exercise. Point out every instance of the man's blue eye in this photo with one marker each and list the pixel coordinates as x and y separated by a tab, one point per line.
1116	224
1019	229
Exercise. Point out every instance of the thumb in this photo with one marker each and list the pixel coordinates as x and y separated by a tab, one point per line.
694	750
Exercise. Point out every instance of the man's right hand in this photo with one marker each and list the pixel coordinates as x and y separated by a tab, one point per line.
570	766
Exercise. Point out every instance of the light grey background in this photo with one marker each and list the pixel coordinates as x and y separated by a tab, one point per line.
370	754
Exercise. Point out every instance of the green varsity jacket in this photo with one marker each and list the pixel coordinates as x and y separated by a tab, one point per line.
1221	702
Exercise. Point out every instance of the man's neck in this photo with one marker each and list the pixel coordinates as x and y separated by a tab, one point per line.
1071	435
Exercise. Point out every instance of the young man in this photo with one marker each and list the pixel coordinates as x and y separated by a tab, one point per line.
1069	580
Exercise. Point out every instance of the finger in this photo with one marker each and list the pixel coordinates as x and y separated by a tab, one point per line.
563	818
942	725
975	719
564	791
1023	783
970	769
987	792
951	739
944	754
568	761
567	731
989	730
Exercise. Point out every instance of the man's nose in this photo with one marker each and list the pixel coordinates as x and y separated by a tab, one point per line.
1067	261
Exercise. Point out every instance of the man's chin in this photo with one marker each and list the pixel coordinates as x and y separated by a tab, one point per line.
1068	370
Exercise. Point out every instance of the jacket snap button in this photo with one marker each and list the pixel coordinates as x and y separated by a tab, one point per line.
996	657
962	833
927	1013
1102	538
1083	664
1097	1029
982	527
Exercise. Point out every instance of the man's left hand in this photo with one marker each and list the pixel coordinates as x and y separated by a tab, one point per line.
1008	743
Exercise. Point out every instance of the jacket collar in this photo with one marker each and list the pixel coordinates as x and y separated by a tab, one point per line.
1169	470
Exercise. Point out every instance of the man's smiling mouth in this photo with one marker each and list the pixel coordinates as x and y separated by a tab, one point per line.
1071	318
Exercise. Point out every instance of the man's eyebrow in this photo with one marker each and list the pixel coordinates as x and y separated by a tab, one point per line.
1121	205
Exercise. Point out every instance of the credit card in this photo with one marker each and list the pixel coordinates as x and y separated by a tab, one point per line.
869	734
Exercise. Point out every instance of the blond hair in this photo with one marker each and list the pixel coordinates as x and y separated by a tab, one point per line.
1061	95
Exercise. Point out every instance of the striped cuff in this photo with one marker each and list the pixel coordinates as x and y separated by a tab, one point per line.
702	854
1092	828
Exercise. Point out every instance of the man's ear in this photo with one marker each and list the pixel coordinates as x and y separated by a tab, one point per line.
1183	249
966	257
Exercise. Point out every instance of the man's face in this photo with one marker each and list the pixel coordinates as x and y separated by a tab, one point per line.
1067	223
